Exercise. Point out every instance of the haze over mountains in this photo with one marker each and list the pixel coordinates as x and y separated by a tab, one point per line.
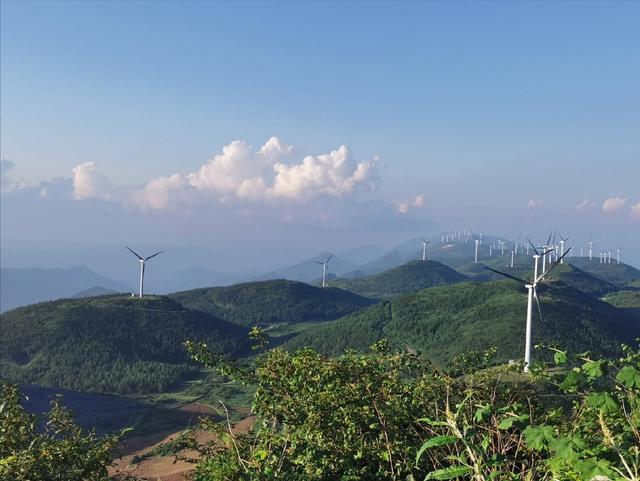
171	272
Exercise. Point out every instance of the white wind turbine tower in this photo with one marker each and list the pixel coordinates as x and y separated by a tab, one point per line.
532	294
618	256
512	252
142	261
590	249
476	256
324	269
562	241
424	248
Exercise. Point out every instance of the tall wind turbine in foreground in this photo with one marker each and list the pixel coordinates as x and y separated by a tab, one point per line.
424	248
142	261
324	269
533	294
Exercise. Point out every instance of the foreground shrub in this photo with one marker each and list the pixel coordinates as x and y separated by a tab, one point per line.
57	451
395	416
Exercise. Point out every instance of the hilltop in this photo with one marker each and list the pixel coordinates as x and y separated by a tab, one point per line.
108	344
269	302
410	277
448	320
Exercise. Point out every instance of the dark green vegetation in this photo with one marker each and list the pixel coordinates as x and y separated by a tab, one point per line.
409	277
59	452
621	275
108	344
271	302
627	301
385	416
446	321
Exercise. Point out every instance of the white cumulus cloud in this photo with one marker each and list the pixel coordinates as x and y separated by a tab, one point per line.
634	212
413	202
89	182
585	204
244	173
534	204
613	204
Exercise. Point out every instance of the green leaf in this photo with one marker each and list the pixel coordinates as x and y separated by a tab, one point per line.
538	437
629	376
560	357
451	472
507	423
433	442
593	369
603	401
573	381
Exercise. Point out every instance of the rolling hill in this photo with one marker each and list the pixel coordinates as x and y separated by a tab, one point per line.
108	344
621	275
270	302
448	320
410	277
20	287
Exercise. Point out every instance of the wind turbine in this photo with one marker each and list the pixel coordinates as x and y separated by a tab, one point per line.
590	248
424	248
476	256
562	241
618	256
142	261
532	289
324	269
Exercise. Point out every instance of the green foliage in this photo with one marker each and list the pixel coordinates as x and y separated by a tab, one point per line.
407	278
447	321
108	344
362	417
600	435
395	416
272	302
60	451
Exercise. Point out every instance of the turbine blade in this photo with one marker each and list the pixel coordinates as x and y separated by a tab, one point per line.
318	262
535	296
534	247
507	275
135	254
549	239
330	257
543	275
156	254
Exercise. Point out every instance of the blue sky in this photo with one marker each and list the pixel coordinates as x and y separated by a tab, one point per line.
479	107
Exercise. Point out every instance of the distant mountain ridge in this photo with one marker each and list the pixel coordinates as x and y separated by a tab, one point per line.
19	287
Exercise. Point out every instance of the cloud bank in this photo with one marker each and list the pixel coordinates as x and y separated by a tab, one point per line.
613	204
413	202
243	173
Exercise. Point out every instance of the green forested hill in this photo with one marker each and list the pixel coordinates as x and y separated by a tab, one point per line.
108	344
410	277
448	320
622	275
270	302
